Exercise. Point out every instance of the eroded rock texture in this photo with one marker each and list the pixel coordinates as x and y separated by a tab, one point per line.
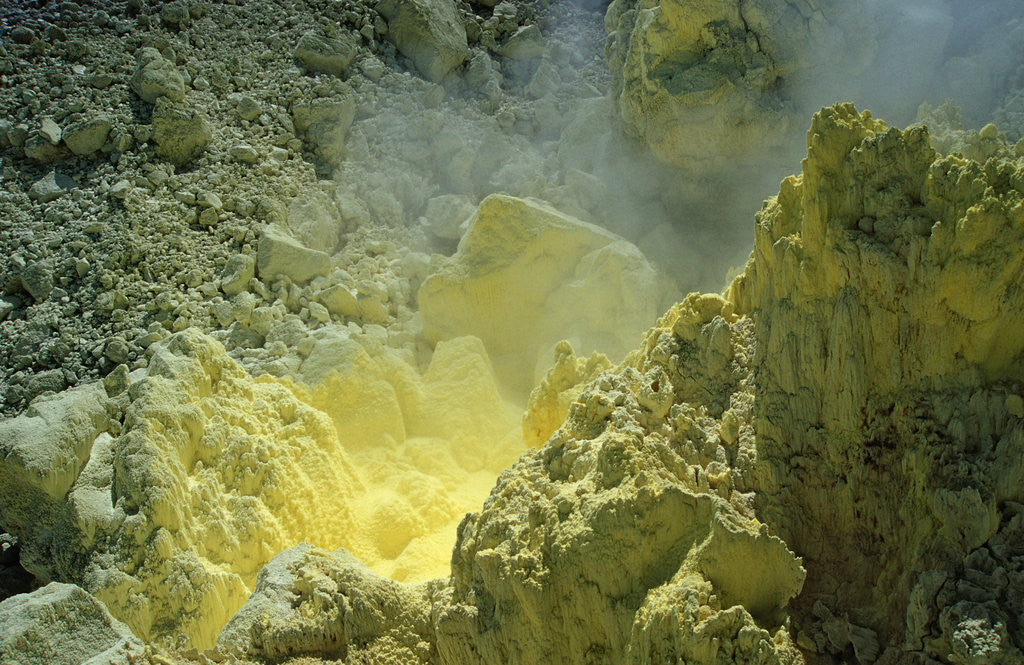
822	466
885	293
705	83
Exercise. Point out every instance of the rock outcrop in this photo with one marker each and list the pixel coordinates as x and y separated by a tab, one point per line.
526	276
428	32
60	624
166	497
821	465
884	290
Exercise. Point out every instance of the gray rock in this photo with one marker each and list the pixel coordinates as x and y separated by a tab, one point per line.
209	217
247	108
51	380
117	350
50	130
117	381
445	215
181	133
17	135
120	189
208	199
327	55
156	77
100	81
37	279
39	148
51	187
61	624
22	35
87	136
175	15
7	305
428	32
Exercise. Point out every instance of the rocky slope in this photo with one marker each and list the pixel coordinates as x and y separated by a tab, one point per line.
319	253
821	466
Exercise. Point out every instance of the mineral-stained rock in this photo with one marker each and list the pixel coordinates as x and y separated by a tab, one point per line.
238	270
324	54
180	131
704	84
156	77
428	32
311	602
526	276
87	136
61	624
279	255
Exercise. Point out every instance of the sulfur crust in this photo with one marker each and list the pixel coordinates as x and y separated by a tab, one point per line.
215	472
820	465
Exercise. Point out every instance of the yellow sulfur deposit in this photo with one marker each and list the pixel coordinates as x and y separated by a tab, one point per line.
206	474
821	465
526	276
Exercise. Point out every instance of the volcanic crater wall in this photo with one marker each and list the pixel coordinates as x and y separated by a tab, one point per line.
822	465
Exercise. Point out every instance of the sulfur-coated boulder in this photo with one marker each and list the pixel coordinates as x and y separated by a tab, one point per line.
61	624
428	32
155	77
280	255
526	276
181	132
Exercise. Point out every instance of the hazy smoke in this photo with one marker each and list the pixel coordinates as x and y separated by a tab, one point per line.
545	126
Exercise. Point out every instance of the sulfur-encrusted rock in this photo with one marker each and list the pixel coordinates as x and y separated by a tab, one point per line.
83	500
181	132
326	54
238	270
43	451
428	32
705	84
279	255
526	276
155	77
884	296
309	601
87	136
324	124
61	624
340	300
